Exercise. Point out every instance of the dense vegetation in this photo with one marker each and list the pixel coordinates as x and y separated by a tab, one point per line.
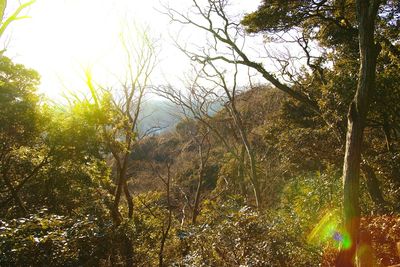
248	176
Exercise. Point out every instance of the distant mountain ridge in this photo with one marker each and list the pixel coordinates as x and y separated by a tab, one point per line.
163	114
158	115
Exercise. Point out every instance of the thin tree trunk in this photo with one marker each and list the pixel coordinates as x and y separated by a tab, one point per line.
254	177
386	131
129	244
129	200
242	184
366	15
169	219
115	214
199	186
122	185
121	174
250	153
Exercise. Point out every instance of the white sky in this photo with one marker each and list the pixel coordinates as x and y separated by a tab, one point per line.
64	37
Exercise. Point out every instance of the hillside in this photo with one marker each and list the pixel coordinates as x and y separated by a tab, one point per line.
278	144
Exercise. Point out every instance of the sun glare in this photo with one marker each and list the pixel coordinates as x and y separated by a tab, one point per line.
63	38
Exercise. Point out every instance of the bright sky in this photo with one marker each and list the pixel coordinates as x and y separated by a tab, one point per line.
64	37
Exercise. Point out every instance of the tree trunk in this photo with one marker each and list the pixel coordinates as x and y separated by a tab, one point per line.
128	252
115	214
254	177
199	186
241	181
129	200
386	131
351	181
122	185
250	153
121	181
117	217
169	219
366	15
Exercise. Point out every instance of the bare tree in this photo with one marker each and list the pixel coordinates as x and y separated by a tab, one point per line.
203	145
166	180
120	132
226	43
211	85
199	137
126	102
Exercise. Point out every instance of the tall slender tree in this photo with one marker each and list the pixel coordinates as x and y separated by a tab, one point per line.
356	118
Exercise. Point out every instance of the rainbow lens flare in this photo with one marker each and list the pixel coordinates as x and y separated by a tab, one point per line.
327	230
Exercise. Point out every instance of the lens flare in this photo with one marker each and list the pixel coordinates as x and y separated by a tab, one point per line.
328	230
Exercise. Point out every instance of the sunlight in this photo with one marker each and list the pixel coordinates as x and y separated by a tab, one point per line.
62	39
199	132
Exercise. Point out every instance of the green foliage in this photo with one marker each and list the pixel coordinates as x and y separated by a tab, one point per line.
92	240
56	172
42	240
233	234
77	162
19	118
22	150
243	237
47	149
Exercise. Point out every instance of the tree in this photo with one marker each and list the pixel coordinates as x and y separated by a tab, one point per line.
204	151
213	19
22	151
123	108
337	25
199	101
77	162
338	22
366	16
166	227
197	138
